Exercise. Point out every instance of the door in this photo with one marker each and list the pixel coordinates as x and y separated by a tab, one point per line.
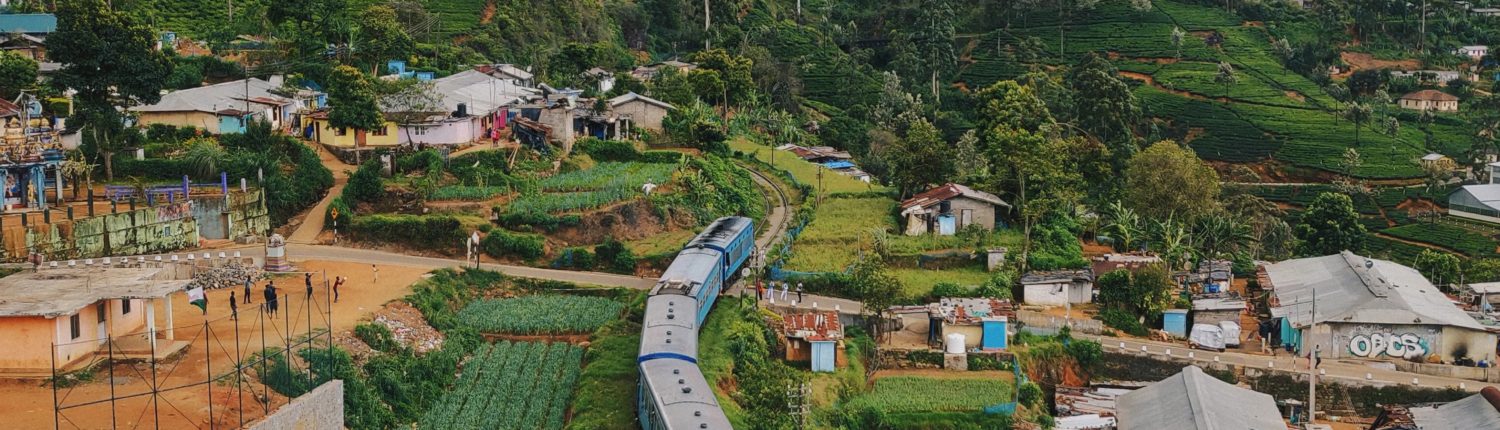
102	309
965	217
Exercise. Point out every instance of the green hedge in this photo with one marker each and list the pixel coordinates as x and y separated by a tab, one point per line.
500	244
436	232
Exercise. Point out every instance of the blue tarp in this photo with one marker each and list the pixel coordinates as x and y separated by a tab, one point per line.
838	164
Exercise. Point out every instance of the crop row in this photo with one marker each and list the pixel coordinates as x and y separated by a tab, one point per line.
522	385
554	203
610	175
1468	242
540	314
468	192
907	394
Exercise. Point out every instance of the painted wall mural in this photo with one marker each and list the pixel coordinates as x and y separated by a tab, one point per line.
1405	345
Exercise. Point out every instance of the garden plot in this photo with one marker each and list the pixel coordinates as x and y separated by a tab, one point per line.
541	314
511	385
910	394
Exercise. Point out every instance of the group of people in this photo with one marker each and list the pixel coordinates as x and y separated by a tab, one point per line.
272	297
769	293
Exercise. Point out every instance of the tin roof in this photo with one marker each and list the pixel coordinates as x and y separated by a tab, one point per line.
1479	411
813	326
1085	275
1355	289
949	191
1193	400
34	23
970	310
58	292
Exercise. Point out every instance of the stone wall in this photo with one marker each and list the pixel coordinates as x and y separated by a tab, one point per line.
319	409
247	214
146	230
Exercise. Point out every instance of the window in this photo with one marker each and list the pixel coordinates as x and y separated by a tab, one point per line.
125	306
340	131
420	131
102	310
379	131
73	325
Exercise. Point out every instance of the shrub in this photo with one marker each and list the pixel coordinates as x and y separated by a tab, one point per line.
1123	321
436	232
346	215
1030	393
949	289
421	160
365	184
501	244
608	150
615	256
377	336
574	258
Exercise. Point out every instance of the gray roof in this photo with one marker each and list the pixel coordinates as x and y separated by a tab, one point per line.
632	96
1360	290
217	97
1473	412
1486	194
1083	275
482	93
1193	400
1218	304
58	292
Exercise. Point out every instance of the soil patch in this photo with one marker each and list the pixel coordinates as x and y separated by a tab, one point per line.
631	221
1415	207
1295	96
1360	61
488	13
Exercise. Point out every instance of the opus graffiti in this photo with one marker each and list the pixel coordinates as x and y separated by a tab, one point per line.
1389	344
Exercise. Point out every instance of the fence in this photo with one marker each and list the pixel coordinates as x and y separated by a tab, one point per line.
216	373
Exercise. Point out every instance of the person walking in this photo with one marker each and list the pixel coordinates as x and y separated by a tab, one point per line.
799	292
205	302
249	282
307	277
234	307
785	288
337	282
376	270
271	297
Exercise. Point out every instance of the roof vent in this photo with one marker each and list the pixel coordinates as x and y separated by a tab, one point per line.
669	316
669	340
676	371
669	332
681	381
697	413
687	389
703	425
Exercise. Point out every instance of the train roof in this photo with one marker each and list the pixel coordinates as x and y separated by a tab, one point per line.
692	267
683	395
670	326
722	231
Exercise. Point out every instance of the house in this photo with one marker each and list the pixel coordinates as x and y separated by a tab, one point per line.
1429	76
473	106
1369	308
1193	400
984	321
26	34
63	318
319	129
1429	100
1478	411
634	111
949	208
649	72
814	337
227	107
604	80
1478	293
1480	201
509	72
1058	288
1474	52
1128	261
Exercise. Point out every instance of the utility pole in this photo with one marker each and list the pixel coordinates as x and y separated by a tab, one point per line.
1312	359
707	19
1422	43
820	184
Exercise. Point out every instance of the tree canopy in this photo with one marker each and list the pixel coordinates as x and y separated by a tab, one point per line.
1167	179
1330	225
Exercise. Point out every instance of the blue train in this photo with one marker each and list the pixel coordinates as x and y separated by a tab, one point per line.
673	393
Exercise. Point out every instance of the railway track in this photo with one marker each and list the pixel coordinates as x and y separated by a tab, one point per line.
778	215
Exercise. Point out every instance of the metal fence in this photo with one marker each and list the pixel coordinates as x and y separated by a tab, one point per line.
215	373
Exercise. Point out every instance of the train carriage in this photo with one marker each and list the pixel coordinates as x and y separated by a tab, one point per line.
697	273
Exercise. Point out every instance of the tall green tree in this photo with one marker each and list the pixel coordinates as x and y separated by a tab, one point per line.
1441	268
354	100
1104	106
1168	179
111	61
1330	225
734	71
1359	114
1226	76
381	37
16	73
927	46
922	158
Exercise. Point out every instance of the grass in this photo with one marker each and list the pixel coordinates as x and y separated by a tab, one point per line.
607	387
840	228
668	242
910	394
919	282
1468	242
803	171
715	360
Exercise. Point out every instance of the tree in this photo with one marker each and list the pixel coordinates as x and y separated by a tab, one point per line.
1221	235
410	101
1226	76
1104	106
1145	292
1011	105
16	73
1330	225
1177	36
1482	269
1124	226
1392	126
353	98
365	184
1439	267
926	46
1141	5
382	37
969	164
1168	166
110	60
874	287
1359	114
922	158
734	70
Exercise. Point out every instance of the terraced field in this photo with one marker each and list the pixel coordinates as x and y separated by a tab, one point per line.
511	385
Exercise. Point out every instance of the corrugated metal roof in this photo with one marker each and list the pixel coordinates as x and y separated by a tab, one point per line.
632	96
1473	412
1193	400
948	191
1487	194
35	23
1085	275
60	292
813	326
217	97
1355	289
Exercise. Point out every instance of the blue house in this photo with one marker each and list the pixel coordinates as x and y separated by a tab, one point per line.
816	338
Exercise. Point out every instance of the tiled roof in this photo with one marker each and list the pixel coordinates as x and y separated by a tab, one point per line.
1430	95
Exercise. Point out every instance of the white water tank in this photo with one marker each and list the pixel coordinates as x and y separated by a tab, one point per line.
953	343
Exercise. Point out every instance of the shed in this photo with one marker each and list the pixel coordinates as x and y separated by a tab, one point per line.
631	111
1174	321
1478	202
984	321
1058	288
1472	294
949	208
1479	411
814	337
1212	310
1193	400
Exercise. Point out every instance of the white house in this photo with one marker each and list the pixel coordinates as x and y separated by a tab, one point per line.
604	79
474	107
1474	52
1429	100
1058	288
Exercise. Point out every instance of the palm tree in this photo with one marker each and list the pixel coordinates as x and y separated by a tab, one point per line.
1124	226
1172	242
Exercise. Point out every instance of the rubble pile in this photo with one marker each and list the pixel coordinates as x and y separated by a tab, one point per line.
230	275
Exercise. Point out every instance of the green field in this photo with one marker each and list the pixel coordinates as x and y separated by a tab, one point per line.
803	171
540	314
1466	241
909	394
511	385
607	387
918	282
840	229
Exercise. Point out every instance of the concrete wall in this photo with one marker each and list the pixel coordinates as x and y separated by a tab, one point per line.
27	342
1360	341
644	115
146	230
200	120
1215	316
328	135
319	409
984	213
1059	293
209	212
1079	322
247	214
443	133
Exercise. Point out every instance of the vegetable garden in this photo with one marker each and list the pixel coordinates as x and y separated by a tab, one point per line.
511	385
540	314
908	394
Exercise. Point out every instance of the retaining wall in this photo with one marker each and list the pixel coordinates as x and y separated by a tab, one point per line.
145	230
319	409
